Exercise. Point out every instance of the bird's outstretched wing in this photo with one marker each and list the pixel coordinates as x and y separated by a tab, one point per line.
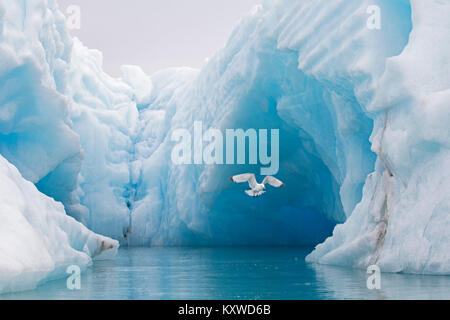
274	182
246	177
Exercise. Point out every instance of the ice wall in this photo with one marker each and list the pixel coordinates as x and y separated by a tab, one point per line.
104	114
300	66
38	241
65	124
361	112
35	127
403	220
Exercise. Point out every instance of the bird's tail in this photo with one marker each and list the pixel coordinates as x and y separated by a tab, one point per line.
254	194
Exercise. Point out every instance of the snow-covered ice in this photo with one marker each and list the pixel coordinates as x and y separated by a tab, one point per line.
38	241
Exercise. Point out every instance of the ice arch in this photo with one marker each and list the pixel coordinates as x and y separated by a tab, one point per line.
309	68
201	206
277	71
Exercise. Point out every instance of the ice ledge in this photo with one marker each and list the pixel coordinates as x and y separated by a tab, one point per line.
38	241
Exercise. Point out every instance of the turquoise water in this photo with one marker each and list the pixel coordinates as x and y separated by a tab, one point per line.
231	273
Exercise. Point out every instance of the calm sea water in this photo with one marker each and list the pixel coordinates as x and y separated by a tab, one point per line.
231	273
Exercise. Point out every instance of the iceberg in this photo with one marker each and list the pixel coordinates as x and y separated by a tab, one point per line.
277	71
401	221
38	241
363	125
104	115
64	123
362	115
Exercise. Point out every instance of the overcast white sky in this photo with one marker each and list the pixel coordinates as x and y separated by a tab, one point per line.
156	34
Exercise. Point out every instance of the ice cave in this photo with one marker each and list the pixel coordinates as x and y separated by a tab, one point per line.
85	158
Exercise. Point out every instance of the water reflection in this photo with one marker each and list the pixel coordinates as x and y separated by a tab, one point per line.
341	283
231	273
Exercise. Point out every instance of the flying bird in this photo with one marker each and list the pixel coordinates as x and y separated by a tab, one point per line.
257	189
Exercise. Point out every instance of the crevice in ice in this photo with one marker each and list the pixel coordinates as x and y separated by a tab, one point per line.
382	228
